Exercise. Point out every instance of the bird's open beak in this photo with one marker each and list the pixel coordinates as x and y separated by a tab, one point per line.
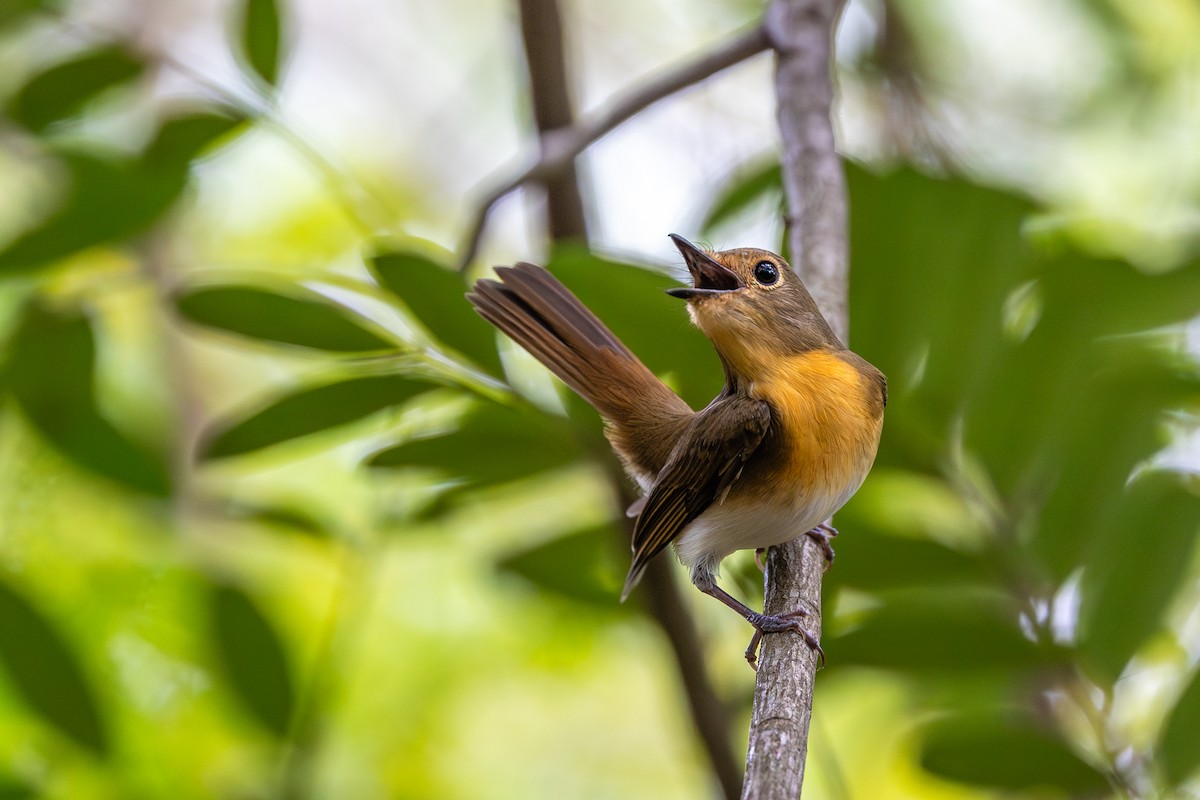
708	276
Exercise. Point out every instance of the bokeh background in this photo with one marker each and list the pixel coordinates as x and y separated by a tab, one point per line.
279	517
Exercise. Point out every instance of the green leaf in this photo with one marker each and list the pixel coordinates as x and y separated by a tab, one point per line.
493	444
304	320
895	533
434	295
1110	297
1007	750
874	561
10	789
1102	401
252	658
959	250
1096	420
261	38
308	411
933	263
64	89
182	140
585	566
14	10
1134	568
926	631
743	190
111	200
1108	420
632	302
50	374
290	518
46	674
1179	753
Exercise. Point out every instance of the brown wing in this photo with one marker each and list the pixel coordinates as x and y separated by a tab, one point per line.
705	463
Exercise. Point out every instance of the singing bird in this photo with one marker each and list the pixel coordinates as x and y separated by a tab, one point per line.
785	444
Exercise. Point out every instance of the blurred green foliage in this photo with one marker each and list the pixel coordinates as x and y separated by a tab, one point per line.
42	668
63	90
426	288
261	27
310	410
1022	562
263	314
253	659
50	373
112	198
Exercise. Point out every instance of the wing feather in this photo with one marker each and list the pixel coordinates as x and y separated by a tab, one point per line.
705	463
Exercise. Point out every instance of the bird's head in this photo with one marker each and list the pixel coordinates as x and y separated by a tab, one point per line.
751	305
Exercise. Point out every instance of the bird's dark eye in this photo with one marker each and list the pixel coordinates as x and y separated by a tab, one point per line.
766	273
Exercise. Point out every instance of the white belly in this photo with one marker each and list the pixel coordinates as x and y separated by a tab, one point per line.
726	528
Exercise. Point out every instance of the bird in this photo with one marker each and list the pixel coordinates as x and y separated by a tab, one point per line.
788	440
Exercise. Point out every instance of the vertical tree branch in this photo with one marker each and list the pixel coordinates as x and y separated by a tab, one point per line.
710	715
801	31
541	28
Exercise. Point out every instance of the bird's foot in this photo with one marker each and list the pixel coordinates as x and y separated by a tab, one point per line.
763	623
823	535
778	623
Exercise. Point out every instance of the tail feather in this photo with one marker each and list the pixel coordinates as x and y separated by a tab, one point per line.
645	418
544	317
500	306
633	578
560	307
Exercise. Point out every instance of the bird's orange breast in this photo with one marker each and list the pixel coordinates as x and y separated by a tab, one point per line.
829	414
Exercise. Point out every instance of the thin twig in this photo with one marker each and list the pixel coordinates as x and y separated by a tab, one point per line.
560	147
348	189
801	32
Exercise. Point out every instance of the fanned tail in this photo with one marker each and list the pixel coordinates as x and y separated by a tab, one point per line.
537	312
643	417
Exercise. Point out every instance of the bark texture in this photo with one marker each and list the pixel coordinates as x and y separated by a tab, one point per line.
801	32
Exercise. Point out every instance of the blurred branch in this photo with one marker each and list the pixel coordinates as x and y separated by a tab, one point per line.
710	715
553	117
801	32
365	209
913	122
353	582
560	146
182	381
541	30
